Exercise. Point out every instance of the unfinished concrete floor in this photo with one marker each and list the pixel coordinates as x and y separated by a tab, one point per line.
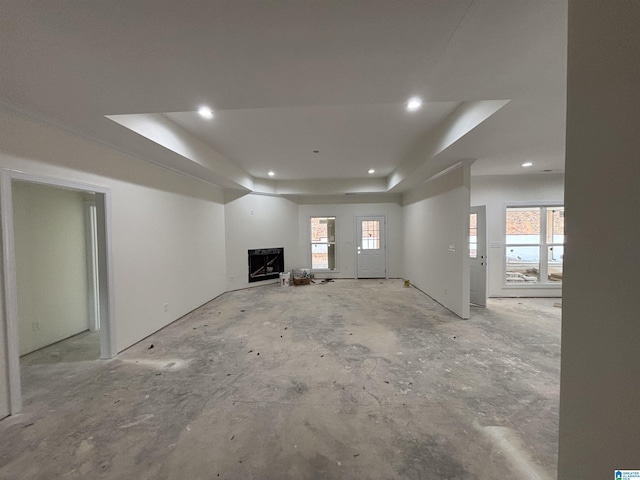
352	379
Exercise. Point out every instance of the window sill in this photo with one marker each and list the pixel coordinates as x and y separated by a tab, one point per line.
525	285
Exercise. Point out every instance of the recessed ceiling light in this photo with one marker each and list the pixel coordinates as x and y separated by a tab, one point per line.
271	173
205	112
414	104
527	164
371	170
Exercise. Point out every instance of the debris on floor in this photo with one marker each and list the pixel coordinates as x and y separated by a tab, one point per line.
301	276
337	402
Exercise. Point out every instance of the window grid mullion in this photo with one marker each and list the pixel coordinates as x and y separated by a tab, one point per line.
544	264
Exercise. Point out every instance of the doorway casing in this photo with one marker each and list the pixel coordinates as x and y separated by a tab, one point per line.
108	347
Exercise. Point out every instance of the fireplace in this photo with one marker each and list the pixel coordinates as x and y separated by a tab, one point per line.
265	263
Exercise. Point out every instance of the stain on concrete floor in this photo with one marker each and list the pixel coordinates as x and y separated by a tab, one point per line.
354	379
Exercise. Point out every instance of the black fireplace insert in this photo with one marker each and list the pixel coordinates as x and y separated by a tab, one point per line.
265	263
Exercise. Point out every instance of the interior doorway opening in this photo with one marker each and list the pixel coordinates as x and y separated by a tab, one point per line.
93	304
478	256
54	238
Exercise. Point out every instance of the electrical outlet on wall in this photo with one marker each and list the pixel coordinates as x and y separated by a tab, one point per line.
166	307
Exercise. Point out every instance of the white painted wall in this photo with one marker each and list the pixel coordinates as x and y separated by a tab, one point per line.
4	364
346	214
436	216
496	192
169	249
51	264
168	230
600	378
258	221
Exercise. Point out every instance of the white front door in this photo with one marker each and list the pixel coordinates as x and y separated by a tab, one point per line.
371	247
478	255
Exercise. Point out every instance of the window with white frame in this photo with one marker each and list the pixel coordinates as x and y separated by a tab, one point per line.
534	241
323	243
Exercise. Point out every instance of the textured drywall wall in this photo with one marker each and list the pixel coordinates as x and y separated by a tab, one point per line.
346	243
51	264
258	221
436	239
600	377
168	245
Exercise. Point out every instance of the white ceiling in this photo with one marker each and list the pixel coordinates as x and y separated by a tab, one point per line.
349	139
288	78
